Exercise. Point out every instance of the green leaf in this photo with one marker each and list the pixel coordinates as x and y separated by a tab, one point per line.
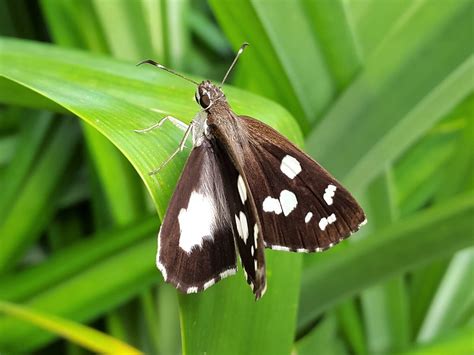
116	98
87	337
403	246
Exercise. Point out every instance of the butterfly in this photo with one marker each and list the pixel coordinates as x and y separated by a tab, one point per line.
244	188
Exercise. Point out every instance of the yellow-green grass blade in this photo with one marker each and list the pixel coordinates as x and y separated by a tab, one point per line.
405	245
87	337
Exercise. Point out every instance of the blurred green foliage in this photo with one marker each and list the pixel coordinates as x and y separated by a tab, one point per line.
380	92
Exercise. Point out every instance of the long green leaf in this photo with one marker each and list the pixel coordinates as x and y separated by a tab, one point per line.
117	98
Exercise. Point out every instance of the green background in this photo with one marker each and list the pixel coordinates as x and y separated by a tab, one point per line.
380	92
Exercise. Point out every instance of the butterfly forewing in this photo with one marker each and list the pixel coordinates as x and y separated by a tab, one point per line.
195	244
299	205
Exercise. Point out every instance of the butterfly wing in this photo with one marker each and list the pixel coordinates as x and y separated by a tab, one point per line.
205	221
195	245
300	206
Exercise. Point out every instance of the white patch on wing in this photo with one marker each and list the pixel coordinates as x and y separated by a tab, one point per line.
279	247
332	218
308	217
209	283
227	272
288	201
329	193
290	166
363	223
192	290
285	204
324	222
242	189
196	222
242	226
271	204
159	265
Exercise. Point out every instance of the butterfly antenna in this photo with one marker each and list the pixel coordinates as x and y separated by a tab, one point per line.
158	65
241	49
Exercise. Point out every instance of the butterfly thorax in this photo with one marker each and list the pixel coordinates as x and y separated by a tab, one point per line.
214	104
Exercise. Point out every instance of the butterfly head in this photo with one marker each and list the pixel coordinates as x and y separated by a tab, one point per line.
207	94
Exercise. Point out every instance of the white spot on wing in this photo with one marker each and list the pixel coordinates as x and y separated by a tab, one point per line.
332	218
242	226
279	247
192	290
324	222
242	189
226	273
271	204
159	265
209	283
329	193
290	166
363	223
288	201
196	222
308	217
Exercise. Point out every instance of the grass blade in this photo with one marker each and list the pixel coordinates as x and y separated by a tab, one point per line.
87	337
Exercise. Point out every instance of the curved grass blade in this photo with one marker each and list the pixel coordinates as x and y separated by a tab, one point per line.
89	338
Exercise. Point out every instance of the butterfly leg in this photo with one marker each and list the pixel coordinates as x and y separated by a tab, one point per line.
180	149
181	125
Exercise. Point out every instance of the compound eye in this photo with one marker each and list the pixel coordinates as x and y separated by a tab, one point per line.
196	97
204	101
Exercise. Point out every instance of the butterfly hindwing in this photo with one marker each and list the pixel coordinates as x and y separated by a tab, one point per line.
195	244
247	229
208	218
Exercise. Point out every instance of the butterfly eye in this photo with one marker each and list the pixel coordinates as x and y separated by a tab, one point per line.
196	97
204	101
